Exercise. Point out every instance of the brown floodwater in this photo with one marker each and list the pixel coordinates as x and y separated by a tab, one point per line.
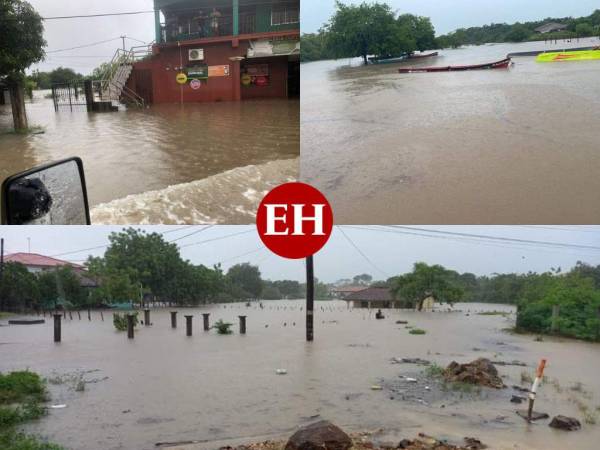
493	147
165	164
166	387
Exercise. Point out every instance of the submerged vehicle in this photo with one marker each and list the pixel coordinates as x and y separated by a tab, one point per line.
503	64
581	55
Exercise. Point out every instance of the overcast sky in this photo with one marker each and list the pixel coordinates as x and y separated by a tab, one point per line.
448	15
68	33
386	248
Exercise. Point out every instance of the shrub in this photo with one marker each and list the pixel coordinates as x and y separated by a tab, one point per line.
417	331
120	321
223	327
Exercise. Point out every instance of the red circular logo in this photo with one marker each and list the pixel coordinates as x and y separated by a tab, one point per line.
294	220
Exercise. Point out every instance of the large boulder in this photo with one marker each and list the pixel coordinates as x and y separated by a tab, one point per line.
322	435
481	372
565	423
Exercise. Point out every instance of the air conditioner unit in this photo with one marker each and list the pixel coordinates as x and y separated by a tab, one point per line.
196	54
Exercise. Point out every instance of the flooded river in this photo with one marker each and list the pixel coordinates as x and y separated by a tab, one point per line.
494	147
166	164
165	387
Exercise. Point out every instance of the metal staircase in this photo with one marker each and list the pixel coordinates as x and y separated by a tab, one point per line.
113	85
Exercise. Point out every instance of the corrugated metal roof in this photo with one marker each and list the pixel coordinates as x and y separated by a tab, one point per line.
34	259
371	294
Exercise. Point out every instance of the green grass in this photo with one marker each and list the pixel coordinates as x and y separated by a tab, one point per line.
492	313
434	371
21	397
417	331
21	387
12	440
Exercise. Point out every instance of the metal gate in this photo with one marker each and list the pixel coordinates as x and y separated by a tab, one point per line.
69	96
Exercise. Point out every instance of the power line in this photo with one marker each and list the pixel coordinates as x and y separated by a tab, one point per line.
217	238
361	252
85	16
83	46
192	233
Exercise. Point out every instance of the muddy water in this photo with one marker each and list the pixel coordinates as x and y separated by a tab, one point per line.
164	387
139	154
506	146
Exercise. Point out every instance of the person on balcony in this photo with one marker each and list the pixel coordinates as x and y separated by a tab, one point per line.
215	17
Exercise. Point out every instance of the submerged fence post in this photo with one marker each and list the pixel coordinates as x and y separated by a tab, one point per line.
310	293
89	314
206	323
147	317
188	325
173	319
130	326
242	324
57	334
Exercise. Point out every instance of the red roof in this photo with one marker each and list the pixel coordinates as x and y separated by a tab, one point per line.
371	294
33	259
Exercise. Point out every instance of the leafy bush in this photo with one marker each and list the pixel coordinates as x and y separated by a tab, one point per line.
12	440
21	386
223	327
120	321
417	331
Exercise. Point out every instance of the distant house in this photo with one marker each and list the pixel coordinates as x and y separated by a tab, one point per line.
551	27
343	291
372	297
36	263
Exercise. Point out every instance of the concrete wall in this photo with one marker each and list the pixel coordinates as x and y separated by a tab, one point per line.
160	71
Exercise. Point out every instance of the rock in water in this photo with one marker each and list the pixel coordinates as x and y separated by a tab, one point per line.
481	372
565	423
322	435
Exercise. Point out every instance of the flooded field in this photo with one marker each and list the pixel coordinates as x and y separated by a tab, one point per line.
501	146
166	164
166	387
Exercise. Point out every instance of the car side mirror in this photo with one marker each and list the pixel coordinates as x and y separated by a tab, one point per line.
52	194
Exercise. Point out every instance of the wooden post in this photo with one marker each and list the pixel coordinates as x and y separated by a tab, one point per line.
555	314
147	317
173	319
102	316
79	314
188	325
89	315
206	323
70	315
64	313
57	328
130	326
310	298
242	324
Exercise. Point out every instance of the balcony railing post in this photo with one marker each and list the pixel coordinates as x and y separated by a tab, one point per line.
236	17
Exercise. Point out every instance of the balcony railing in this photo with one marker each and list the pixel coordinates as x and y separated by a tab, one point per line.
189	29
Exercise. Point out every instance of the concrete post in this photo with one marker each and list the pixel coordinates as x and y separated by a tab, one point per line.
310	298
188	325
173	319
89	95
147	317
57	327
130	326
206	323
242	324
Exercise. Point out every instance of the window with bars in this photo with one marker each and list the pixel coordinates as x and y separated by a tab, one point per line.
283	15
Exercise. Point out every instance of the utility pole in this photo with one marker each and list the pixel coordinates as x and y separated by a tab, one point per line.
1	273
310	297
123	38
28	245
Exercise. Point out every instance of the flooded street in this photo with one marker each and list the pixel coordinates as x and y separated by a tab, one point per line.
500	146
164	387
165	164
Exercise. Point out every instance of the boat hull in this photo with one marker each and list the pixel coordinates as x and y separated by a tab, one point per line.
504	64
585	55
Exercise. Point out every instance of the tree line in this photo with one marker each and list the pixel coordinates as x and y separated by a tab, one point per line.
375	29
136	267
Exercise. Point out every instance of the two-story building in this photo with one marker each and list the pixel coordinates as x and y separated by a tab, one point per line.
221	50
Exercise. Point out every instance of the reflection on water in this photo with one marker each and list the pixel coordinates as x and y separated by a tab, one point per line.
501	146
163	386
134	152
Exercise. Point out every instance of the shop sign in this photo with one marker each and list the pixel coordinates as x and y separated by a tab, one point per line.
218	71
198	71
181	78
195	84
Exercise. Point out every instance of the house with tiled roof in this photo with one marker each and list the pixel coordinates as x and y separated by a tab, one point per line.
372	297
36	263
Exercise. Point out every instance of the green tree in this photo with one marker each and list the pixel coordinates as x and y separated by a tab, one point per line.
585	29
19	290
364	279
367	29
245	280
420	29
63	75
21	45
424	281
